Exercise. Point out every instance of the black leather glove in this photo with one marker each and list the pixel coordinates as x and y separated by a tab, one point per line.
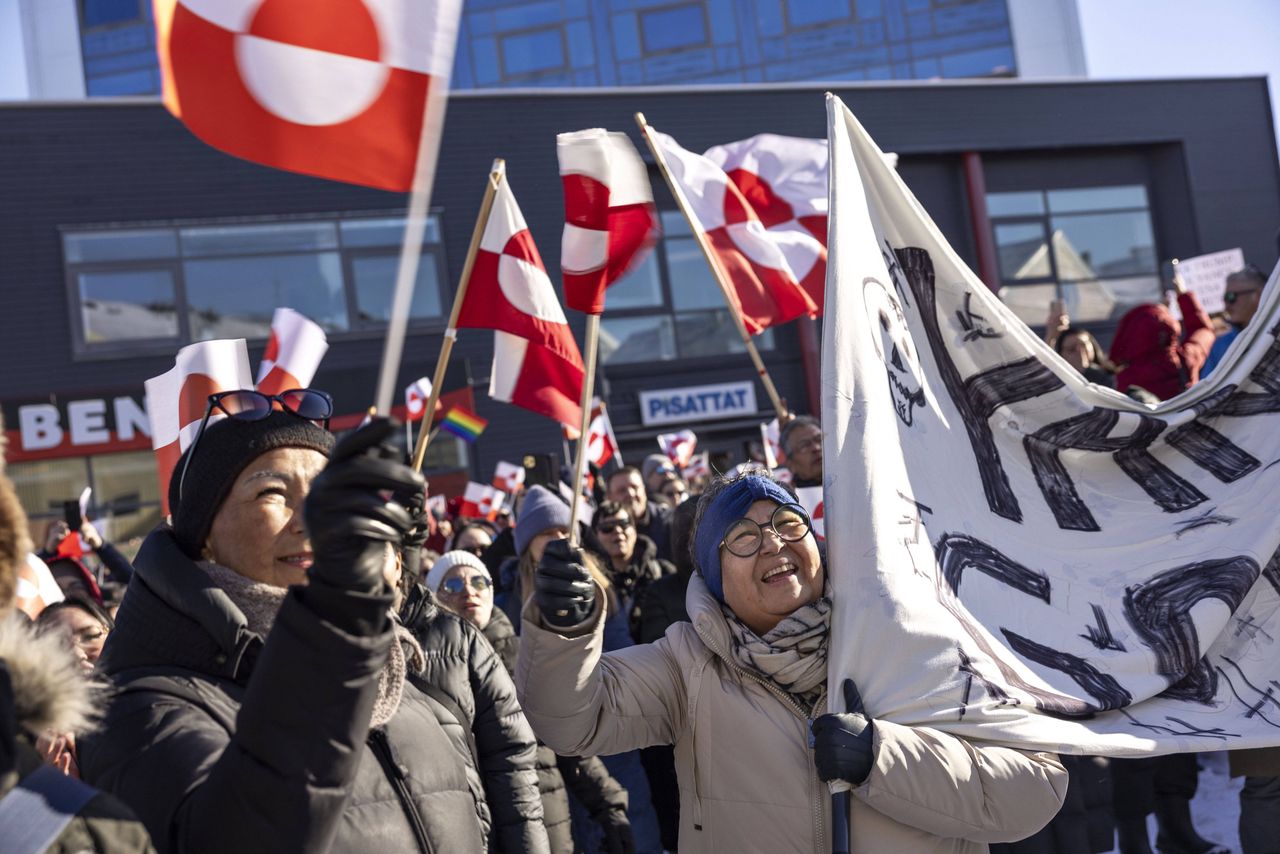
618	838
415	503
562	587
843	743
349	512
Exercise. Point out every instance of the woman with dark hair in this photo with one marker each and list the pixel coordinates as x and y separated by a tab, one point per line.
85	624
262	699
736	691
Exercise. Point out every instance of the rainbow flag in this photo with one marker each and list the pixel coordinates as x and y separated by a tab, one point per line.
463	424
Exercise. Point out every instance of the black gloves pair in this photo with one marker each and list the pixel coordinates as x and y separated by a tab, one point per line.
843	742
350	513
562	587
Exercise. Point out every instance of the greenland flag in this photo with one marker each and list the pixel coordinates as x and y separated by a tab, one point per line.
508	477
610	221
331	88
536	362
784	180
416	395
601	445
176	400
294	350
481	501
678	446
767	289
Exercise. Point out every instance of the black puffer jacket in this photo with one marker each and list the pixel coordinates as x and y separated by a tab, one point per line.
463	666
221	742
587	778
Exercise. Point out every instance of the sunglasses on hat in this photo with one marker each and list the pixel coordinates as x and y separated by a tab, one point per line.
249	405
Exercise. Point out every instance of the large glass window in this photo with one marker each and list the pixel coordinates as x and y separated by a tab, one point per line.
140	288
673	28
670	306
1092	247
97	13
526	53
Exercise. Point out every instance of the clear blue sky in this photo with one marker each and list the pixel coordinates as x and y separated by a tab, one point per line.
1183	38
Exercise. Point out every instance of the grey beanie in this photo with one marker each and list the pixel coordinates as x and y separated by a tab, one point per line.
225	449
653	463
542	509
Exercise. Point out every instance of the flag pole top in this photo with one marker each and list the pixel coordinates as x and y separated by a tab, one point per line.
499	166
641	120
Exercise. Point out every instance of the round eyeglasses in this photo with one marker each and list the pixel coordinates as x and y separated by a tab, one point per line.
789	522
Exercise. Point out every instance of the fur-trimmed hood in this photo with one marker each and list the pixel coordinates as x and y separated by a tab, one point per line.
43	681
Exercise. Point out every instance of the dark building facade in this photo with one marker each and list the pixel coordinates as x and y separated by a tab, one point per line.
125	238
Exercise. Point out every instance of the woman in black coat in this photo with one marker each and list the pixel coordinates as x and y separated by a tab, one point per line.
261	700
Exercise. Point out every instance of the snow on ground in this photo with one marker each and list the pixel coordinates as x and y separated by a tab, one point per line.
1216	807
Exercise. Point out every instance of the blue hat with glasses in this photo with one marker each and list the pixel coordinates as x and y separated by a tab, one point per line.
222	449
727	506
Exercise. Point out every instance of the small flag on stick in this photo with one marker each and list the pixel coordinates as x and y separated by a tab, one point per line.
481	501
508	477
464	424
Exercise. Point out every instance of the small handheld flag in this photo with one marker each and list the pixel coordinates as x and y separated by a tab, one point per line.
464	424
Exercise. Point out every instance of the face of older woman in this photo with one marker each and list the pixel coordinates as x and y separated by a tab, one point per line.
258	531
766	587
471	604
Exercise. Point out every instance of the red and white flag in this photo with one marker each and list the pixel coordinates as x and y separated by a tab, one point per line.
610	220
481	501
416	395
36	589
699	466
508	477
784	180
601	444
331	88
294	350
536	362
811	500
765	288
176	400
770	439
679	446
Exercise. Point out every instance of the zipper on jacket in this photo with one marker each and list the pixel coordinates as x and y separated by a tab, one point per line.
382	750
815	805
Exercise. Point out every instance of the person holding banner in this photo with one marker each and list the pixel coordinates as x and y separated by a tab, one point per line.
261	699
741	692
1240	299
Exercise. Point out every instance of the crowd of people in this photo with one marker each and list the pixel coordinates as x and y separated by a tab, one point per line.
308	658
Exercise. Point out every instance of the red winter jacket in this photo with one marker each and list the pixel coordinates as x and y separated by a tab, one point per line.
1153	352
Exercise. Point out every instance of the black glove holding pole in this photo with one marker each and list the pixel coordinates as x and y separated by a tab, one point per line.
618	838
843	746
562	587
350	514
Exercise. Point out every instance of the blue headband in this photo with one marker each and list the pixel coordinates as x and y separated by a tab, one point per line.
725	509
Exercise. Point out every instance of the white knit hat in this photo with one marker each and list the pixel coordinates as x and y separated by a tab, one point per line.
448	561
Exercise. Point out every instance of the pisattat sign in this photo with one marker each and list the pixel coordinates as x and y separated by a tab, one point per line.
697	403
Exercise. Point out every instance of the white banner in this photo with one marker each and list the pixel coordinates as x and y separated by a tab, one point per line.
1021	556
1206	276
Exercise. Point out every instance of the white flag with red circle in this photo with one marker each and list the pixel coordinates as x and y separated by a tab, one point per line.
766	288
332	88
811	500
699	466
508	477
481	501
416	395
177	399
536	362
601	444
293	354
678	446
610	217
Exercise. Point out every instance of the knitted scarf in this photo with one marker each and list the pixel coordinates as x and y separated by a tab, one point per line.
261	602
792	655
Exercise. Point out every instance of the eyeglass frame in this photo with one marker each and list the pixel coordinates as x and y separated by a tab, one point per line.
615	524
216	398
469	581
1230	297
800	511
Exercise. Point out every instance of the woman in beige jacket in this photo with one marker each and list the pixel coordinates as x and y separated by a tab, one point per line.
738	691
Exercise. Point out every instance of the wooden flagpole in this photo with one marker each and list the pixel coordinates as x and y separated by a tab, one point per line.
424	174
717	271
496	175
580	462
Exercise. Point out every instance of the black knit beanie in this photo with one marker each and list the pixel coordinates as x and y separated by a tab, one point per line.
226	449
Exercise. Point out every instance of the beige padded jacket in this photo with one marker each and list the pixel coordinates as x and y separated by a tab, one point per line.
747	778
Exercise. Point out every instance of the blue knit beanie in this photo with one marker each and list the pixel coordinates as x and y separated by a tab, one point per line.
727	507
541	509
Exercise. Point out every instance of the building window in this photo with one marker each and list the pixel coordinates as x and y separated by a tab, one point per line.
98	13
141	289
810	13
670	306
118	44
1092	247
673	28
531	52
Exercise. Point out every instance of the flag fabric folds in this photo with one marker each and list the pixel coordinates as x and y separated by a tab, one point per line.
176	400
601	444
463	423
678	446
329	88
610	217
481	501
293	354
770	440
1043	562
536	362
764	288
416	395
508	477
